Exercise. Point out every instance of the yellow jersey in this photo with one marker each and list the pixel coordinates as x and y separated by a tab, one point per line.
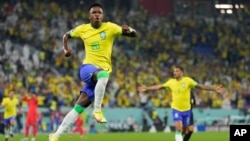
10	106
98	43
181	92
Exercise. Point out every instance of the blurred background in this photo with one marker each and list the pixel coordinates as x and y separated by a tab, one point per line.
209	38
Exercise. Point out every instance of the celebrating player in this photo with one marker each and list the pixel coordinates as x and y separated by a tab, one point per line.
10	105
180	88
98	38
32	115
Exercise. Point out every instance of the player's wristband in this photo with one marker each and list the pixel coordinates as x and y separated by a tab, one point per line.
130	29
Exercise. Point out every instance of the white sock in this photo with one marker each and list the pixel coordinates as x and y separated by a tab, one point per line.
6	132
33	139
11	130
178	137
99	93
69	119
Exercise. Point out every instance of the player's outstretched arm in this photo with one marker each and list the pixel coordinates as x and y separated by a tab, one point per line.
2	106
67	51
128	31
218	89
144	88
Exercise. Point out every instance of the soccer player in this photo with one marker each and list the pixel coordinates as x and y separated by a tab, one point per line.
32	115
180	87
10	105
98	38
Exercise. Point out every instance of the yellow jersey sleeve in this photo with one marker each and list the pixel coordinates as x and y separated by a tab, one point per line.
4	102
116	29
75	33
167	84
191	82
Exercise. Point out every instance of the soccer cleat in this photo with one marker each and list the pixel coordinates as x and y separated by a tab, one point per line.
98	116
52	137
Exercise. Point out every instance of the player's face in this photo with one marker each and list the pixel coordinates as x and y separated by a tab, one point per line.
96	16
177	73
11	94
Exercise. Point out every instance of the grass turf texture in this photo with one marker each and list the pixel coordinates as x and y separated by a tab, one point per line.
206	136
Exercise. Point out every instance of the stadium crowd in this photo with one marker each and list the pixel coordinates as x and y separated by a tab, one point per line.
31	56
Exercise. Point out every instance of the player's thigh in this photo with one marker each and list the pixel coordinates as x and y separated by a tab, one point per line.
186	115
7	122
88	73
12	121
86	97
177	119
191	128
31	123
178	125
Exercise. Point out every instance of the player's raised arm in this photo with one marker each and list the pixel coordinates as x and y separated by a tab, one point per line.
67	51
128	31
144	88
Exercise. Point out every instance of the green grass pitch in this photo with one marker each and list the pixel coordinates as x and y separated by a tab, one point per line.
206	136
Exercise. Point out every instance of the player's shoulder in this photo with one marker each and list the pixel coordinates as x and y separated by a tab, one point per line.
83	26
5	99
16	99
171	80
108	23
187	78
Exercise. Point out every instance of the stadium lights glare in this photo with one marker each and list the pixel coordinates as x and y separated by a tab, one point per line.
222	11
229	11
239	6
223	6
228	6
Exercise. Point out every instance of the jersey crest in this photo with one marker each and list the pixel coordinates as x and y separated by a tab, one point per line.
103	35
183	85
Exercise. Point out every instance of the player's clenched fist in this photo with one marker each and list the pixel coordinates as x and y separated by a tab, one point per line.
67	52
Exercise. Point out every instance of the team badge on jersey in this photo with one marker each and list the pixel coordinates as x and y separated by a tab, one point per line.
183	85
103	35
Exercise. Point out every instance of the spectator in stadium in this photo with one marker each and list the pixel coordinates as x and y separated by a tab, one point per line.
180	87
98	39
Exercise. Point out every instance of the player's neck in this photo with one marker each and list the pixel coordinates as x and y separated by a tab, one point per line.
179	78
96	26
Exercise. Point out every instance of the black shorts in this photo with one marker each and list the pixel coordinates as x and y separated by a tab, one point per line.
191	121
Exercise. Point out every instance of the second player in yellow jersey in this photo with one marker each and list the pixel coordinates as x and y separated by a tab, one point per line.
180	88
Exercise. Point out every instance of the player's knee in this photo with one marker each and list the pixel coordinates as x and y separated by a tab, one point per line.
102	74
12	123
178	126
191	128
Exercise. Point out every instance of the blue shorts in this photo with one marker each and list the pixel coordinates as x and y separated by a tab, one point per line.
8	120
86	72
184	117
